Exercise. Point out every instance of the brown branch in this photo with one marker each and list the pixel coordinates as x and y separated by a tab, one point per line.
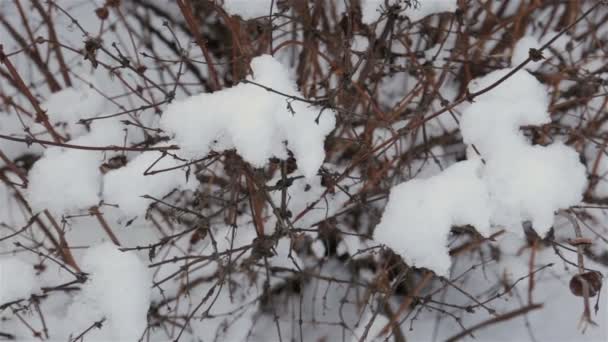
504	317
30	141
40	114
193	26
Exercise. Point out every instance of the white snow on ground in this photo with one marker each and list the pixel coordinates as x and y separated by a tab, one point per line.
17	279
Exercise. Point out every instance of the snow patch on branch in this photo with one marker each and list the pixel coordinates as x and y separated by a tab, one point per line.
119	289
254	121
69	105
65	180
420	212
517	181
127	185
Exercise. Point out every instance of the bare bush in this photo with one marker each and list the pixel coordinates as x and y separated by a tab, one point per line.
132	205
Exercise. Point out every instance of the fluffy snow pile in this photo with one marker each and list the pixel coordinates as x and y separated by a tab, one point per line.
116	293
73	173
68	168
492	123
371	9
259	124
253	120
525	182
427	208
533	184
518	181
118	289
72	104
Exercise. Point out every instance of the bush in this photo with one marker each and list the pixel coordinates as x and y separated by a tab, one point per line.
273	170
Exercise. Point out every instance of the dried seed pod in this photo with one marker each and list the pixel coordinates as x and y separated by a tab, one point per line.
592	279
91	46
198	235
102	13
535	54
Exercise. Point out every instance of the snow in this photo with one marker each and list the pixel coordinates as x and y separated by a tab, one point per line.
319	301
556	321
371	9
420	212
73	173
249	9
430	7
17	280
64	108
69	105
492	122
12	125
118	288
253	120
304	192
524	44
521	178
126	186
516	183
373	334
532	183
